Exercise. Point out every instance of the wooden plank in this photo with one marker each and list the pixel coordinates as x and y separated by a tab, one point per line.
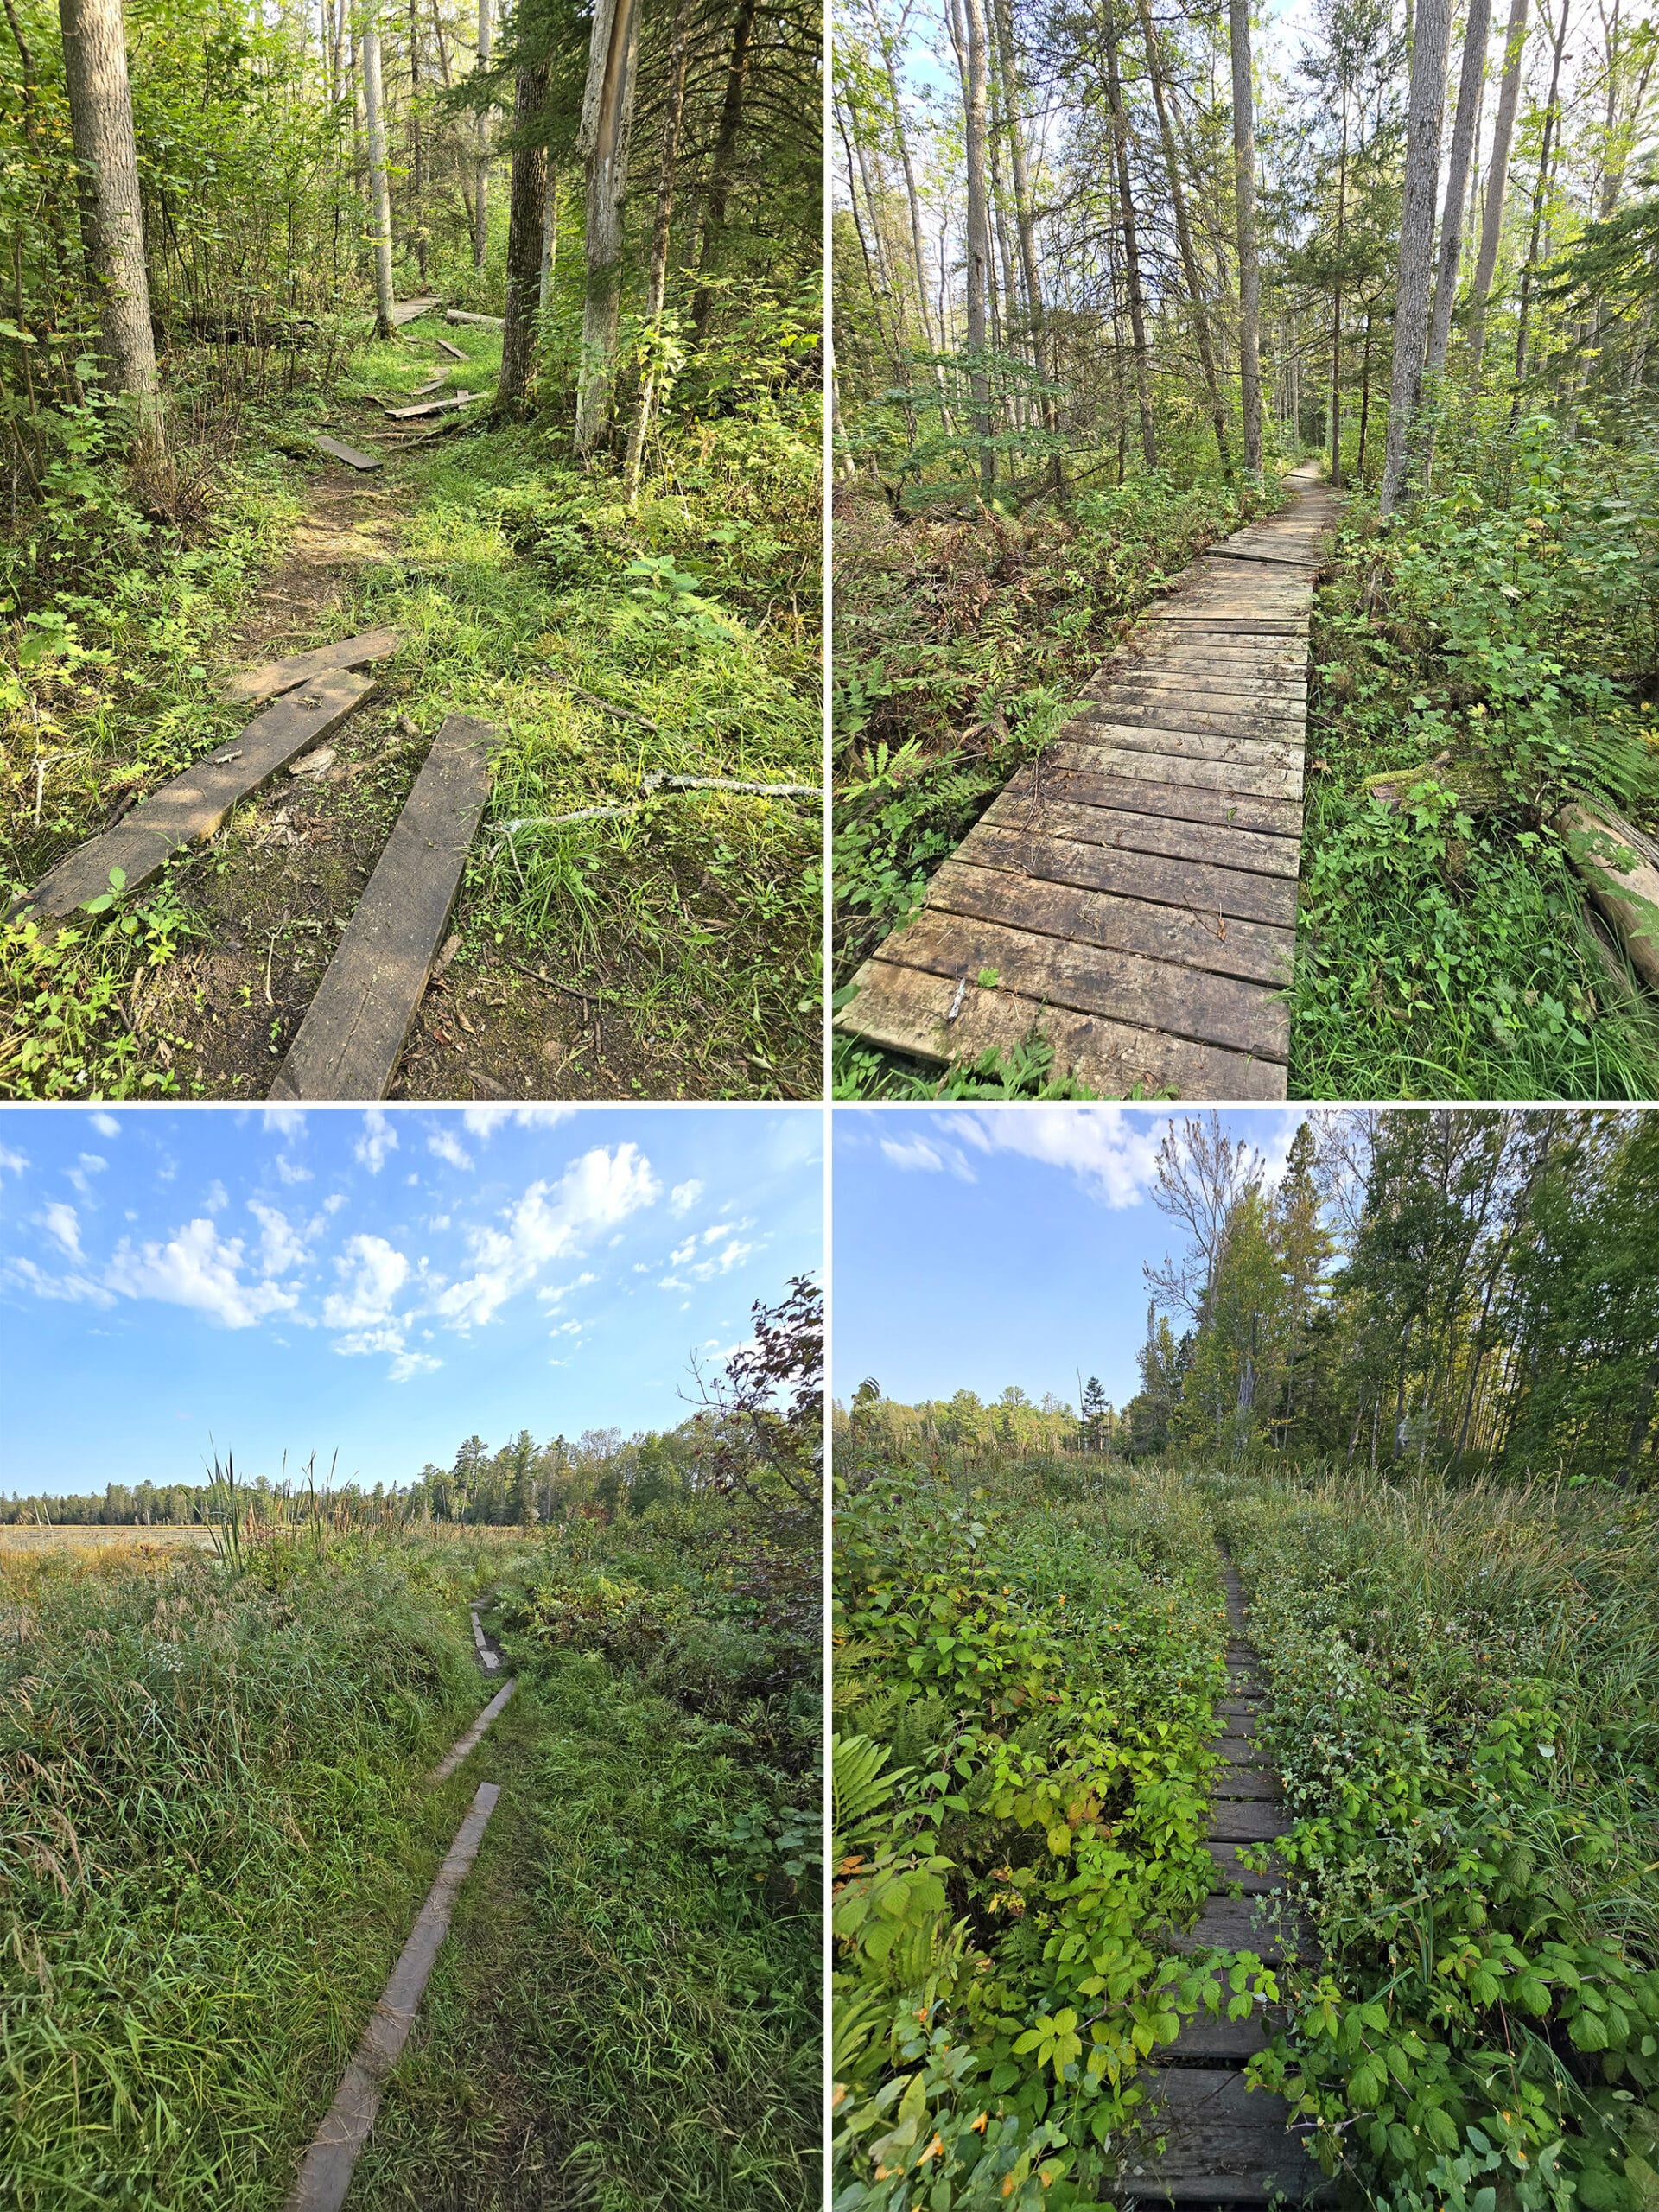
1230	1870
193	805
1239	852
455	353
1145	763
1241	1017
1224	2142
349	454
1190	618
432	406
1150	681
355	1029
905	1010
1086	915
1263	814
1244	1819
410	311
1212	2036
274	676
1245	1925
1233	1783
1270	745
1185	885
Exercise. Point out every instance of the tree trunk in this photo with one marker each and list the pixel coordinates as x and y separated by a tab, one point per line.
661	229
416	147
112	210
1250	276
1471	78
379	190
1336	300
1425	110
549	242
979	236
1131	243
525	213
481	160
602	141
1539	197
1364	397
1184	240
725	165
1498	179
903	141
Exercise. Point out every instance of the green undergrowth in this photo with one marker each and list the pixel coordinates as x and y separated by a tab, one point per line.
211	1848
629	2013
518	585
1464	1701
1026	1674
1497	644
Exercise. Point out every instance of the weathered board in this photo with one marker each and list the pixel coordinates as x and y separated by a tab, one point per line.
349	454
355	1029
1224	2142
193	805
1140	875
411	311
274	676
455	352
432	406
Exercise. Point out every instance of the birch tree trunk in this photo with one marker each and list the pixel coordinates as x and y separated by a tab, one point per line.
1131	246
1498	179
1471	78
1025	223
661	230
979	236
1424	108
111	211
602	141
1250	274
481	131
525	216
379	190
550	241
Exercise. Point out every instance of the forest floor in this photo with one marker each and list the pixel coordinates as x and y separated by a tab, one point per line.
672	953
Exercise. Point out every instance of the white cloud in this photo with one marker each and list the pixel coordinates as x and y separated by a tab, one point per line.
280	1247
198	1268
286	1121
334	1201
62	1225
412	1362
106	1125
1111	1155
290	1170
485	1121
14	1161
909	1154
217	1197
549	1222
374	1273
721	1229
90	1163
448	1146
379	1138
682	1253
71	1288
685	1196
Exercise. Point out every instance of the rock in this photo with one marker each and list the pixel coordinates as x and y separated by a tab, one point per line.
314	764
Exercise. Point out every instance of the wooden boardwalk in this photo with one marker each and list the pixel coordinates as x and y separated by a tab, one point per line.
1134	888
1225	2143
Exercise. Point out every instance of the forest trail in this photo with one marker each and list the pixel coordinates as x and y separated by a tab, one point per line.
1132	893
1226	2143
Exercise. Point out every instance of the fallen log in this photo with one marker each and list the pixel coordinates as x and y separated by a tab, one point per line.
1617	867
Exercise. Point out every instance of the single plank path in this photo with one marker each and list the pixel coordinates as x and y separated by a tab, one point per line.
1224	2142
1134	888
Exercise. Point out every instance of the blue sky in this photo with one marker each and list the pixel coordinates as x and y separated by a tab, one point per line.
381	1282
976	1249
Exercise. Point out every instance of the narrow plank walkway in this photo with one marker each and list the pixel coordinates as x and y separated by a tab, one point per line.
1224	2142
355	1028
1134	888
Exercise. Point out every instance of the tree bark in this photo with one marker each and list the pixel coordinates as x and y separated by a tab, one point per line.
112	209
416	146
1541	193
550	241
725	165
379	188
1498	179
602	141
1425	107
1249	275
481	160
902	137
1184	240
1471	78
662	229
979	236
1336	300
1131	245
526	213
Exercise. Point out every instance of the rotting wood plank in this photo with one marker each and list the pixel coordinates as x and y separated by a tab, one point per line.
193	805
1067	823
349	454
1184	758
1256	952
264	681
455	353
432	406
1189	885
941	1018
355	1029
411	311
1224	2142
1244	1924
